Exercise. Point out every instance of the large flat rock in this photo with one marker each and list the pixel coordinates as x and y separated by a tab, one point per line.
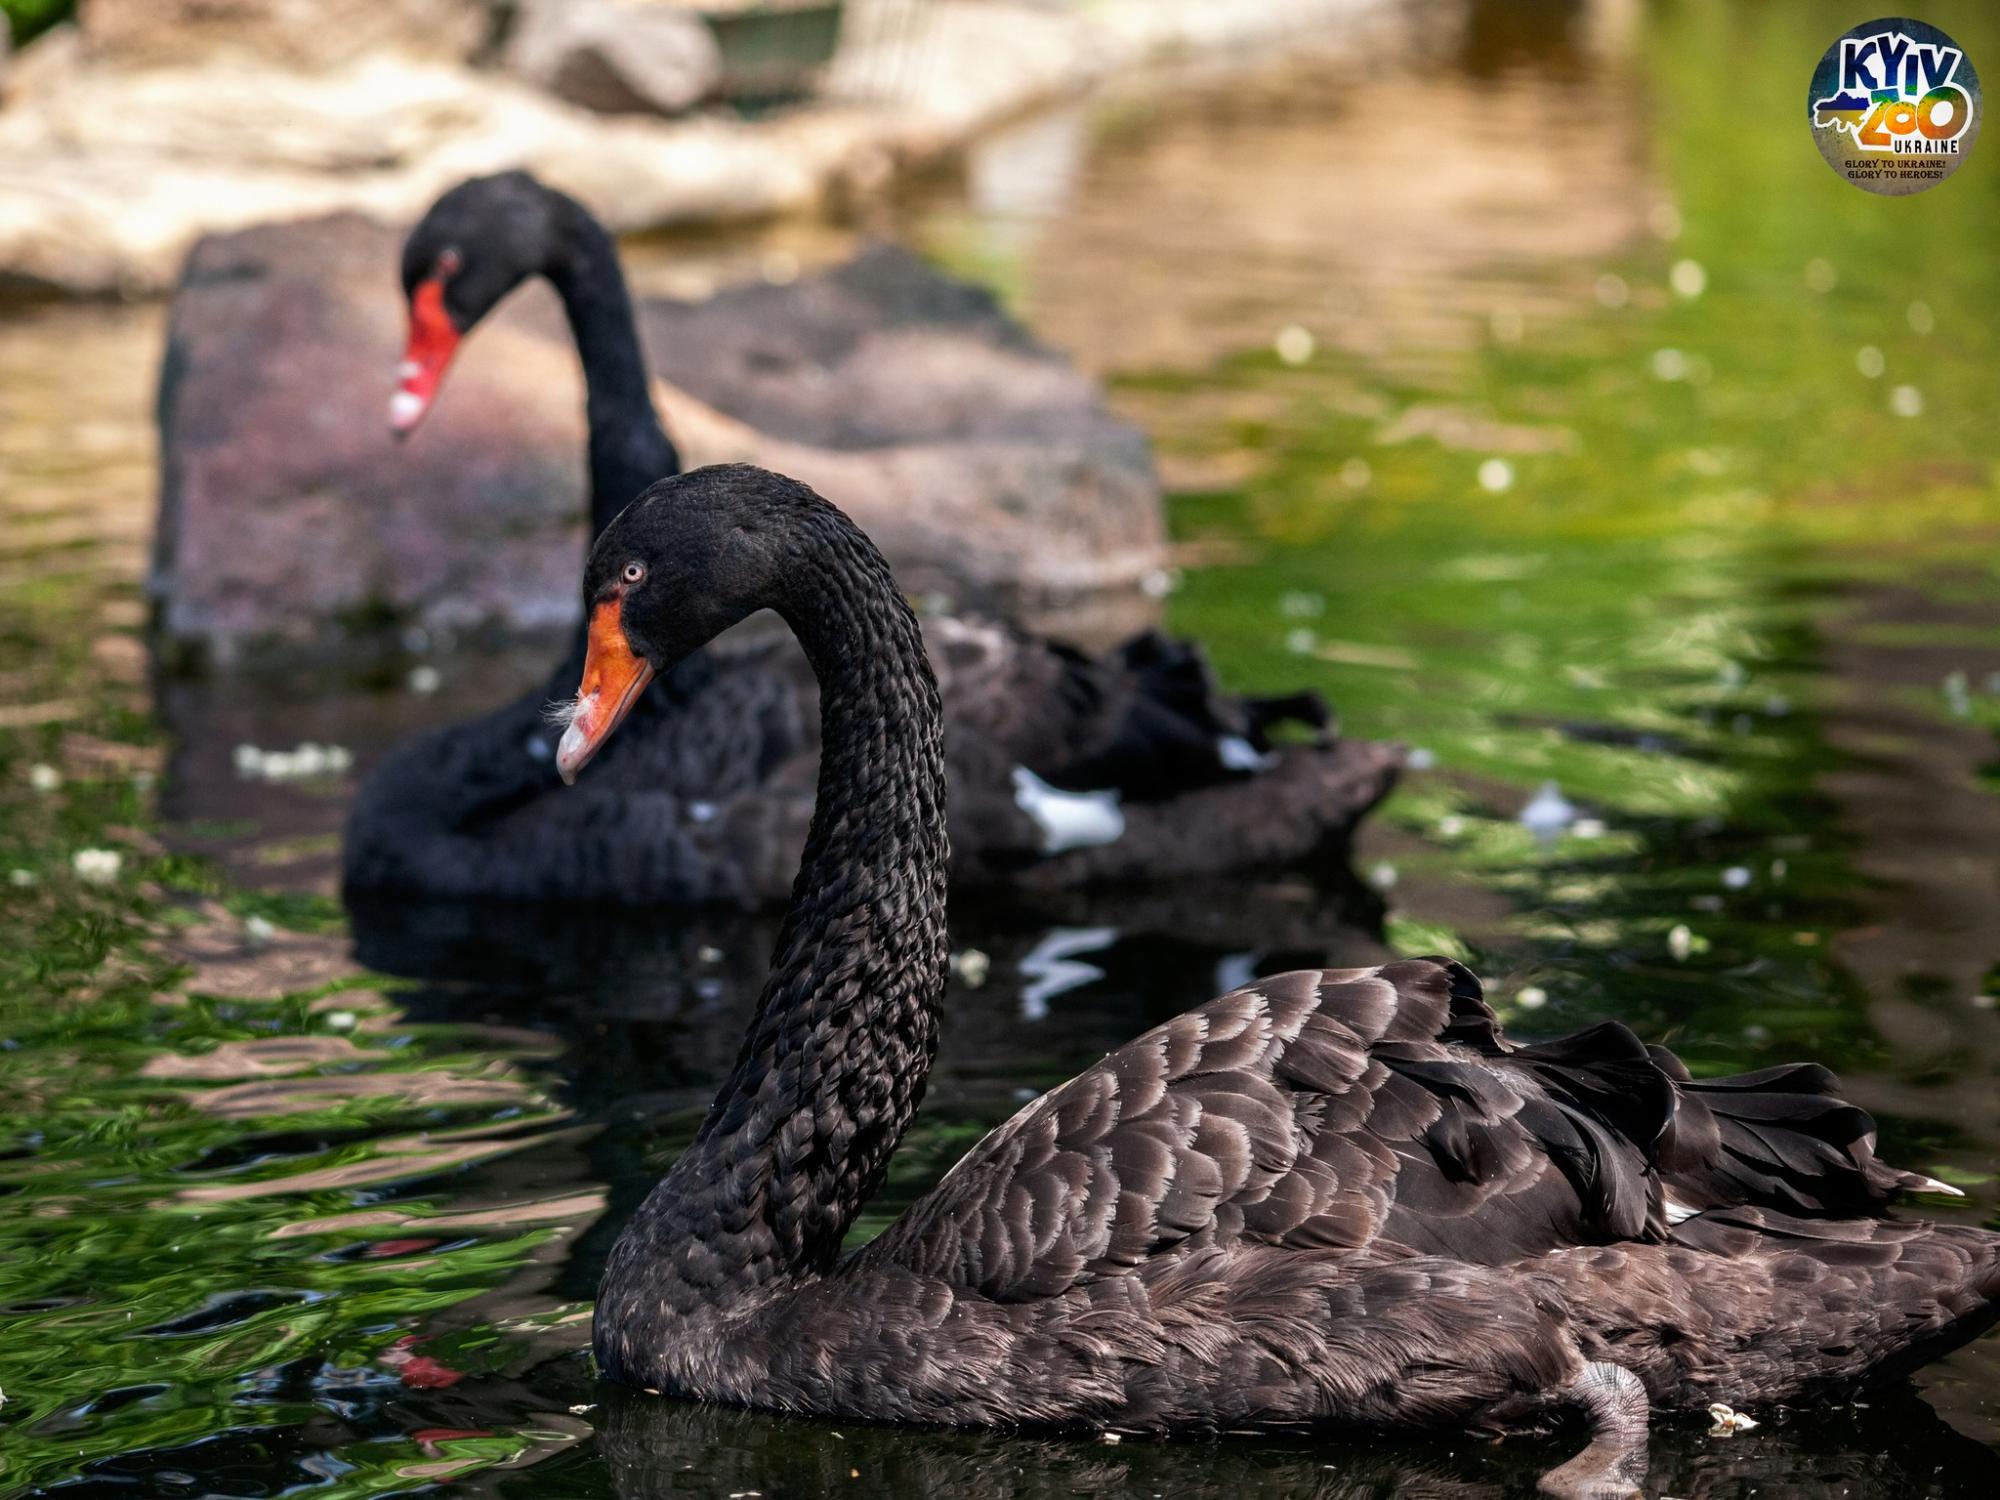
291	524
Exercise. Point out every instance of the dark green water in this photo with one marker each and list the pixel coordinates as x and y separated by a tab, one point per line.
1584	479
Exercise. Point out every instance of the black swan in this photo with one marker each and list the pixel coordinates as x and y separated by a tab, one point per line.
1065	768
1333	1199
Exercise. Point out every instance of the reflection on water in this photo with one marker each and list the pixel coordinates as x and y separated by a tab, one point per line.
312	1201
1889	1448
1392	189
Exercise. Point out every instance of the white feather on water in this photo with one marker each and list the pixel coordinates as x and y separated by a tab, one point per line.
1235	971
1549	812
1238	754
1068	820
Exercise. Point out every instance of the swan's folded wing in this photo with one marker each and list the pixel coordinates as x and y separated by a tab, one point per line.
1147	720
1340	1111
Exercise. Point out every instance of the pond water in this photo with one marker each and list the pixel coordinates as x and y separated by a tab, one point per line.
1524	382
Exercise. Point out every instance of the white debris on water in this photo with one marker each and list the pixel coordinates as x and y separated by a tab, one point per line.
1728	1420
1958	694
1235	971
97	866
1549	812
1531	997
971	965
44	778
306	761
1680	942
1736	877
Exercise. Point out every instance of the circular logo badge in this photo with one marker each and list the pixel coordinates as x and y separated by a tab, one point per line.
1894	106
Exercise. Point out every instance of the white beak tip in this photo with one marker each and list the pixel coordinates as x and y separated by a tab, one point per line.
571	754
406	409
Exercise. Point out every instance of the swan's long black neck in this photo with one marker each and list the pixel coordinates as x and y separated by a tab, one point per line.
833	1066
628	448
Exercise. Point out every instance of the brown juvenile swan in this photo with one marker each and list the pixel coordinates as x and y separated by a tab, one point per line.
1334	1199
1065	768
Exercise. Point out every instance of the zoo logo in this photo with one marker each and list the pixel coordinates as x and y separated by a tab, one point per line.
1894	106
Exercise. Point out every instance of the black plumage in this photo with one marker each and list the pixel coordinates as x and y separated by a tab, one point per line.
708	791
1332	1199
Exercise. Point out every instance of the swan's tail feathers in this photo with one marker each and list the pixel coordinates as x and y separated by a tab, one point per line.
1176	674
1854	1301
1779	1138
1179	731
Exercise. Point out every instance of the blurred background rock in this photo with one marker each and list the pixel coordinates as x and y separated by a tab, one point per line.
131	127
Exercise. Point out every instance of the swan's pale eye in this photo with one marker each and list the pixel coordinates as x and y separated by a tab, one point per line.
634	572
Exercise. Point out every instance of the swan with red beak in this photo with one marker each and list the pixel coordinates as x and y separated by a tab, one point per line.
434	338
614	675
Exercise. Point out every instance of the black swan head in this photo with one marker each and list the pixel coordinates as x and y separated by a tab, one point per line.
692	556
477	243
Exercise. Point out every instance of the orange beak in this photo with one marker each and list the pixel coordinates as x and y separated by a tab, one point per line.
433	341
613	678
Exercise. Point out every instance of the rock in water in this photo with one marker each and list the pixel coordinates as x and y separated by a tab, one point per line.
615	56
290	519
984	465
292	524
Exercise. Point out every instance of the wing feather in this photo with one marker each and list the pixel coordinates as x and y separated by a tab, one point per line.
1375	1112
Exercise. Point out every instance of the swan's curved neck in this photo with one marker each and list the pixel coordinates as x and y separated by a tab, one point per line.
833	1067
628	448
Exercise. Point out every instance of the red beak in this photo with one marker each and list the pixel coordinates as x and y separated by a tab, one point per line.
614	675
433	341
